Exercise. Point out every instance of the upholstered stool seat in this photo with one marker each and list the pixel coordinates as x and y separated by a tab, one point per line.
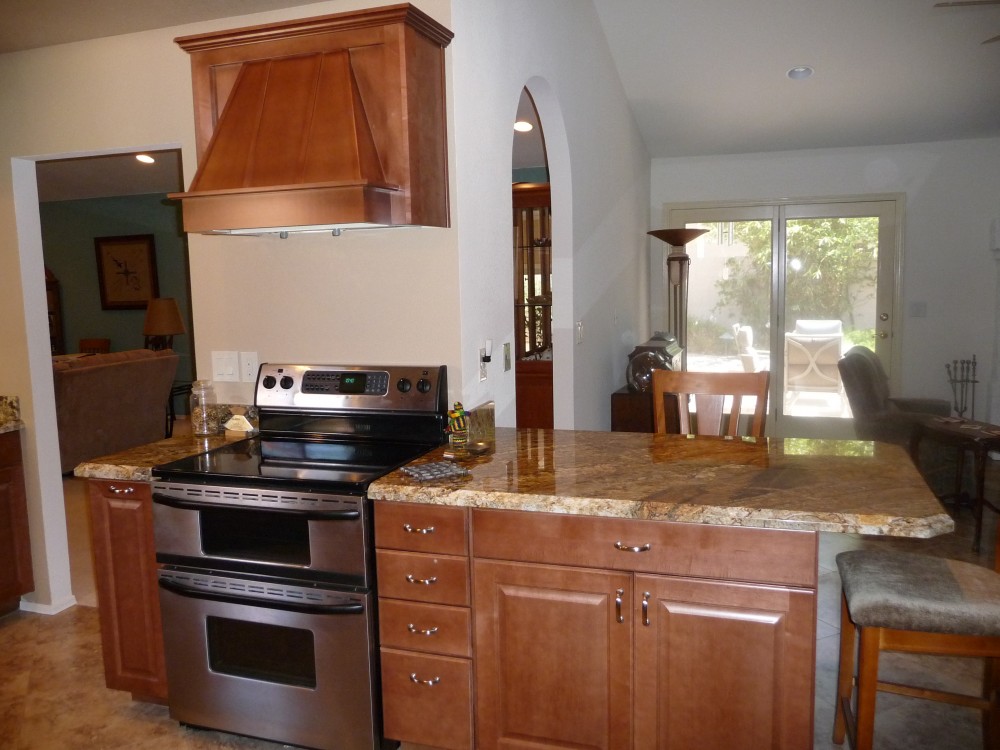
898	601
905	591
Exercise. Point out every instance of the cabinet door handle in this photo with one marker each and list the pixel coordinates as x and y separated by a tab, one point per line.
629	548
121	490
421	581
429	683
421	631
417	529
645	608
618	605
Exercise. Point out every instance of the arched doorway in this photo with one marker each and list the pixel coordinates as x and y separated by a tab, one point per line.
532	259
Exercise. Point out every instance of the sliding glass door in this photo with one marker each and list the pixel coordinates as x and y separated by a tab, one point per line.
789	288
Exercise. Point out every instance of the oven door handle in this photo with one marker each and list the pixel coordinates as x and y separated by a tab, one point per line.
324	515
354	608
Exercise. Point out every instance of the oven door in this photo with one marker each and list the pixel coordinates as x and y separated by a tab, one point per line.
292	664
321	536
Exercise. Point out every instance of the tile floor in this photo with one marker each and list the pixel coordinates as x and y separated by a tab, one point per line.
52	693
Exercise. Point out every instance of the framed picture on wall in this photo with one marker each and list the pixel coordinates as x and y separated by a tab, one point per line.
126	271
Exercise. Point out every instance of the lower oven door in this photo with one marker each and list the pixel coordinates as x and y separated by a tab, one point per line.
293	666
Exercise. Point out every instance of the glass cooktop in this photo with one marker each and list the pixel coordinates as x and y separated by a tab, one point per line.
331	463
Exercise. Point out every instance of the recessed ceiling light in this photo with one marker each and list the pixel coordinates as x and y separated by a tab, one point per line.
523	126
800	73
145	158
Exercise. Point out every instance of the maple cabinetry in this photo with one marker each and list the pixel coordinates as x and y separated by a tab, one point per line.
651	634
121	519
425	624
15	548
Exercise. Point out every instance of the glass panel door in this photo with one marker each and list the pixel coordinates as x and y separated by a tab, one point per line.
789	288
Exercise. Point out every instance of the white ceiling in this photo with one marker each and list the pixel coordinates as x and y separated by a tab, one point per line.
708	77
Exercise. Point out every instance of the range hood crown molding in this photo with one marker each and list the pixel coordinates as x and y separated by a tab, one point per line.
330	121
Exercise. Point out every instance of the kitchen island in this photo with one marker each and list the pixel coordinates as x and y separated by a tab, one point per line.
620	589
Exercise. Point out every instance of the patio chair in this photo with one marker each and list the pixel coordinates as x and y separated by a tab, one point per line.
812	351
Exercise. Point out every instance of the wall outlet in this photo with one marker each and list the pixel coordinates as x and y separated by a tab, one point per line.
249	364
225	367
482	365
506	357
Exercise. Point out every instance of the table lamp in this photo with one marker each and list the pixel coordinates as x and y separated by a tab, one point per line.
163	322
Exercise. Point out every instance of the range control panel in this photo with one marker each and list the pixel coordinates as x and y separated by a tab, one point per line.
310	387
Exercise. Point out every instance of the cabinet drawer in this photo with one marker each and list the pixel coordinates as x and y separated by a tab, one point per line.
431	628
421	528
427	699
732	553
438	579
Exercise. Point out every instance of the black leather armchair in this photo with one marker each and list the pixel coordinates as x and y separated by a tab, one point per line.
877	415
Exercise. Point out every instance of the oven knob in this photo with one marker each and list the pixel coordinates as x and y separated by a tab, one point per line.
287	382
403	385
269	381
423	385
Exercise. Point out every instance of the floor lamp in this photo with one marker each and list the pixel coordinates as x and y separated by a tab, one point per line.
676	278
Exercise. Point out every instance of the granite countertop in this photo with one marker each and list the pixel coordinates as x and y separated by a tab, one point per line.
136	464
10	414
820	485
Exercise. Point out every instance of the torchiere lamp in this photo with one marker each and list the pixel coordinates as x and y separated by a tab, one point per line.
163	322
676	277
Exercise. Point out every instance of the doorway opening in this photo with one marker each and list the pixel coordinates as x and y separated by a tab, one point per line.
70	182
532	249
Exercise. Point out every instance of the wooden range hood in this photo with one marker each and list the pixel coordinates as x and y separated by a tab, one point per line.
330	122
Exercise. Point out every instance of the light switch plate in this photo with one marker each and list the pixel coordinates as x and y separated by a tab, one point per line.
225	367
249	364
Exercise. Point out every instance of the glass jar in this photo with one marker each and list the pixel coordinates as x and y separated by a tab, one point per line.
204	417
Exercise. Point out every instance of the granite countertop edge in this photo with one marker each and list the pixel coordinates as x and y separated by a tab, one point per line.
441	493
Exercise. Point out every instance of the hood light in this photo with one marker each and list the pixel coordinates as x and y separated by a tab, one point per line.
523	126
145	158
800	73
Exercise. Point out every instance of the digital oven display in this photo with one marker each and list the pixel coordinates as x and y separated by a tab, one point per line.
353	382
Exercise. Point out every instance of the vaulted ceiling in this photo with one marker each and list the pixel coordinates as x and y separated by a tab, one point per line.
708	78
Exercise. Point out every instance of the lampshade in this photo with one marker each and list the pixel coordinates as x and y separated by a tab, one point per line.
677	237
163	318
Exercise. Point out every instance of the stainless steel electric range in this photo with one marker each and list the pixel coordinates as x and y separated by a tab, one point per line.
267	557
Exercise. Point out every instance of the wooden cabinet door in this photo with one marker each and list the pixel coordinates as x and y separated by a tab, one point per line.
553	661
121	518
722	665
15	548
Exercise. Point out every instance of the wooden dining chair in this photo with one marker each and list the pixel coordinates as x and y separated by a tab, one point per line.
918	604
708	393
94	346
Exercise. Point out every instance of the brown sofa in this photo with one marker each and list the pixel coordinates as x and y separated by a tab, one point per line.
107	403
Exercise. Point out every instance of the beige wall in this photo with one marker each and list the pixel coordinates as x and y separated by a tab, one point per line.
381	296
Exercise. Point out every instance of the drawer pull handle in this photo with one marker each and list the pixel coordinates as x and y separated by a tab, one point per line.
421	631
629	548
121	490
417	529
618	605
429	683
421	581
645	608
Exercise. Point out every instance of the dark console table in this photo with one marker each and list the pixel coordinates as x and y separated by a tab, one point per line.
979	438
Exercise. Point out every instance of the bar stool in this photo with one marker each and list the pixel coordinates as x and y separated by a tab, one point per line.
900	601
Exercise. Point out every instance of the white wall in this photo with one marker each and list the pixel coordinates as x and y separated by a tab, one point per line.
952	194
599	172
